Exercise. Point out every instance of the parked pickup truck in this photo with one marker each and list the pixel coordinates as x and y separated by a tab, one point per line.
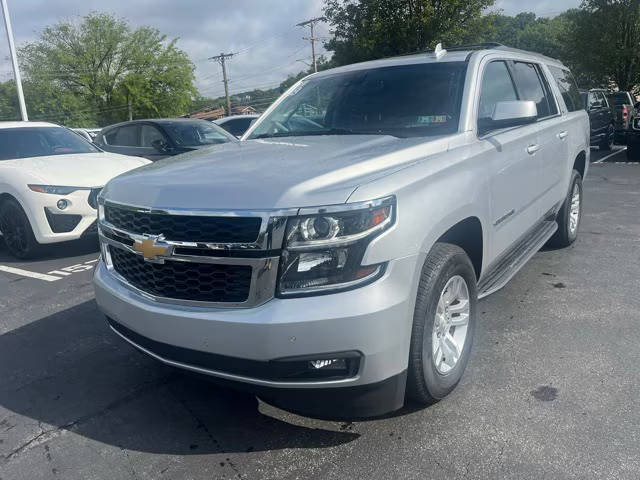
623	106
333	259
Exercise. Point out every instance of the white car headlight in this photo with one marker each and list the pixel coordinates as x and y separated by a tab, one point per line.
55	189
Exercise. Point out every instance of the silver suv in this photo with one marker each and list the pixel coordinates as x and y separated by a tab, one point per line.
332	261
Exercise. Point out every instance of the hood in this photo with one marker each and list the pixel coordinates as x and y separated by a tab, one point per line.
78	170
288	172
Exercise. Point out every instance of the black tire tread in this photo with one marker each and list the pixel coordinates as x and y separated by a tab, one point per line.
438	257
34	247
561	238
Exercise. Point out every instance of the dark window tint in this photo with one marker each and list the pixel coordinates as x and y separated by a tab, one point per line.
195	133
602	100
594	100
148	135
41	141
620	98
497	86
126	136
402	100
568	89
237	126
530	87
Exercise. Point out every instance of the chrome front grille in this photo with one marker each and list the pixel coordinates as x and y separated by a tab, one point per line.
201	282
194	257
186	228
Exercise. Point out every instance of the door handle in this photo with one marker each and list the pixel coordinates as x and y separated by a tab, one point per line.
531	149
563	134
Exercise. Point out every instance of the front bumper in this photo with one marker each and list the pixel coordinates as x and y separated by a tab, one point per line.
374	321
38	204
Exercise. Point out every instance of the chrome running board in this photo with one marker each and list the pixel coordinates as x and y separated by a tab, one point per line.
500	274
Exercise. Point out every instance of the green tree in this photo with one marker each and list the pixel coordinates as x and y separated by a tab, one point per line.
548	36
369	29
605	42
103	66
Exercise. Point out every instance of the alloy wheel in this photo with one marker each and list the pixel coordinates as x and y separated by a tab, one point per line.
450	325
574	212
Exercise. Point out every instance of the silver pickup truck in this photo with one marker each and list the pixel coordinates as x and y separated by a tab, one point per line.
332	260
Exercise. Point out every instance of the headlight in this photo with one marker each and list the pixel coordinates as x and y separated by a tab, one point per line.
54	189
324	247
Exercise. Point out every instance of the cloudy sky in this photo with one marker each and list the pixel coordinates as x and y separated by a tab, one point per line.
270	46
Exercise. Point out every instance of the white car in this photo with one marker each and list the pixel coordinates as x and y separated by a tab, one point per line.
49	181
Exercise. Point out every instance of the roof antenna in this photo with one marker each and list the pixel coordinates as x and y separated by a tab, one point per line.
439	51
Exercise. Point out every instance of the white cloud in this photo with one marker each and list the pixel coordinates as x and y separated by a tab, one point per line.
263	31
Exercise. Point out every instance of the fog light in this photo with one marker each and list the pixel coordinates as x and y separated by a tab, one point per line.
336	364
62	204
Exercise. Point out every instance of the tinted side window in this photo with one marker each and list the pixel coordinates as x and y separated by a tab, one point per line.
602	99
149	134
568	88
237	127
497	86
126	136
530	87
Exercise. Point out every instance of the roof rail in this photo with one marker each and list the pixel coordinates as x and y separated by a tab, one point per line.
475	46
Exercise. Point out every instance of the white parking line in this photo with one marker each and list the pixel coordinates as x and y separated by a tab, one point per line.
610	155
27	273
58	272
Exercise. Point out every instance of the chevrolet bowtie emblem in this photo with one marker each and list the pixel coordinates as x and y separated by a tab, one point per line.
150	248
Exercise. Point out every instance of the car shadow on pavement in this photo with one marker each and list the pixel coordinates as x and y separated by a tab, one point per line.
54	251
67	371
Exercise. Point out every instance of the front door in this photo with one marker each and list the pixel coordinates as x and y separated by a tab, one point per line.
511	154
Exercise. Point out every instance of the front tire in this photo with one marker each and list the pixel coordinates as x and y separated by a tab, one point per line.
570	214
17	232
443	324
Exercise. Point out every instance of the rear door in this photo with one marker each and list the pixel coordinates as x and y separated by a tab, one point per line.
551	158
123	140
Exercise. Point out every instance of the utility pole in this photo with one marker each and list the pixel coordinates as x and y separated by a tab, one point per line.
14	61
221	60
313	39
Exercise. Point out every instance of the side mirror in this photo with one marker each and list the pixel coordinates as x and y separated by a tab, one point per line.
509	114
160	145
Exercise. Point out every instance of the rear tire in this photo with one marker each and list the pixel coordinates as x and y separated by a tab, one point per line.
16	231
437	320
570	214
607	142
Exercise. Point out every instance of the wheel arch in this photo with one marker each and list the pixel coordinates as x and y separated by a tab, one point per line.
468	235
580	163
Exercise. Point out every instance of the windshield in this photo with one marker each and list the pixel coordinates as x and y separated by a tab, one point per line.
41	141
196	133
402	100
620	98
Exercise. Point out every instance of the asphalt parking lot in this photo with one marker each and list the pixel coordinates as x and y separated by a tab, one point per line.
552	390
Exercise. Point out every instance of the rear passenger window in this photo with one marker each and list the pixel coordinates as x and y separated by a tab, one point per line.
123	136
568	88
531	87
497	86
